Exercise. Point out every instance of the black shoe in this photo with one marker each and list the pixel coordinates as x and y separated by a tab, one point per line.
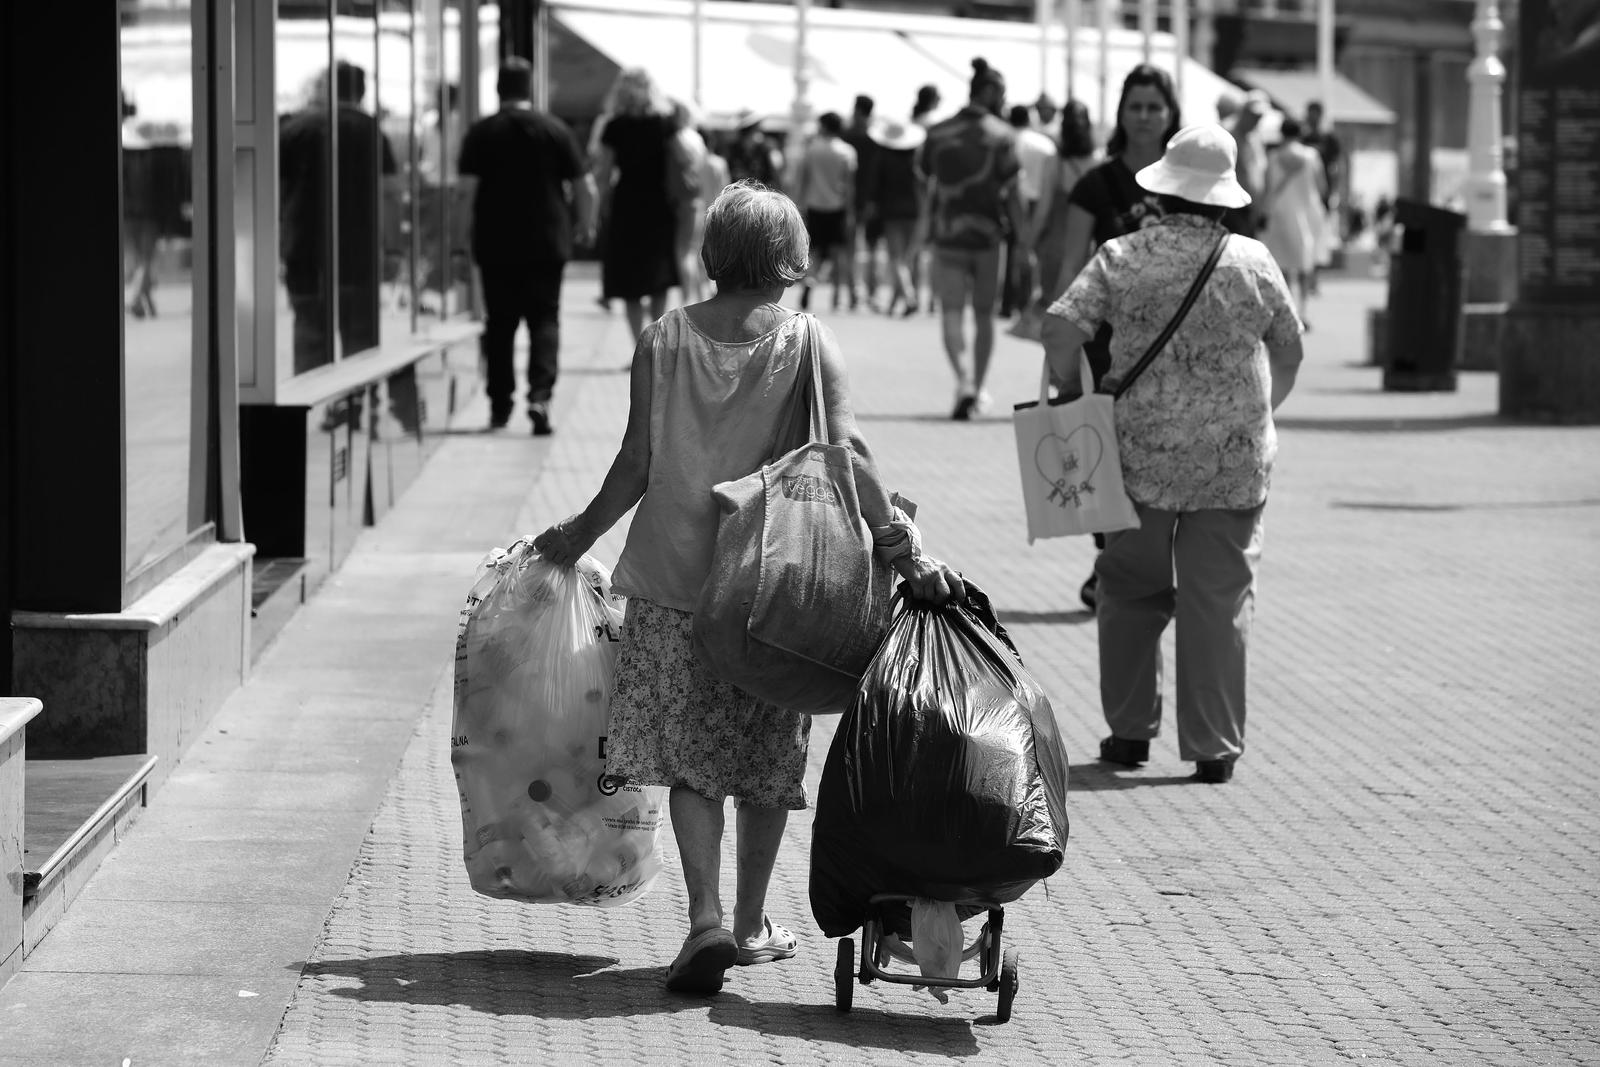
539	414
1089	592
1213	771
1123	751
963	411
499	422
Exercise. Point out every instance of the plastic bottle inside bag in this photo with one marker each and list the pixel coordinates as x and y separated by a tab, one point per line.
937	942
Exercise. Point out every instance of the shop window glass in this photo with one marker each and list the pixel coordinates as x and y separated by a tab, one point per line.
158	271
306	290
396	109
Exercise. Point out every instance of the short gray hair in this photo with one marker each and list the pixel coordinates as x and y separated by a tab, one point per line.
755	239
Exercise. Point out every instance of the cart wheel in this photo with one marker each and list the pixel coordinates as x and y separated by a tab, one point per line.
1008	985
844	975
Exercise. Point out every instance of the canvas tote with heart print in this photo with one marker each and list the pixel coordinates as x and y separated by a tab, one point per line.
1067	452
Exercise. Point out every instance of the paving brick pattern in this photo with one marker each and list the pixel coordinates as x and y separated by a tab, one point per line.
1402	871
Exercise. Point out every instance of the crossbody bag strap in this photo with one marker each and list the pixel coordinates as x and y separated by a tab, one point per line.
1177	319
805	416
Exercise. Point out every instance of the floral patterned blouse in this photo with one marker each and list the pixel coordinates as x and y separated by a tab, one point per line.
1195	430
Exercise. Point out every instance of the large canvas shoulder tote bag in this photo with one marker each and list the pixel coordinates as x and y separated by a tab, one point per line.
796	602
1071	471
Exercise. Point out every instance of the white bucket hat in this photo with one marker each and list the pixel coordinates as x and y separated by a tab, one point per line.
1198	166
895	134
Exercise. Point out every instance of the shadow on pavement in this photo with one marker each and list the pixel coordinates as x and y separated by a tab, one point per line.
508	982
1044	618
906	416
1096	777
908	1032
1408	424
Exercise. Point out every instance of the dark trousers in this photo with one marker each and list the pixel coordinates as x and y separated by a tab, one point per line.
514	293
1017	292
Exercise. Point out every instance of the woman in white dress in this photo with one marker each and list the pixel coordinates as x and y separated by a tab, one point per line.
1296	185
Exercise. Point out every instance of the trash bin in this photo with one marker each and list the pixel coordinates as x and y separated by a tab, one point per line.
1427	281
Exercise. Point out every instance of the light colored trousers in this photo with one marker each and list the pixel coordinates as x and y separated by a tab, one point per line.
1199	566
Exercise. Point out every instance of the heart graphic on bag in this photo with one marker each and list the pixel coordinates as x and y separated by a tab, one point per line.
1069	463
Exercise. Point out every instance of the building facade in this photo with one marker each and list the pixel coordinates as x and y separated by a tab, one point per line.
236	314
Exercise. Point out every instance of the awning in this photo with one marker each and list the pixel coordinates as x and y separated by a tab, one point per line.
1292	90
747	60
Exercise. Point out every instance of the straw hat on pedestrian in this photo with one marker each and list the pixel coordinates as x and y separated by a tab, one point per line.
1199	167
896	135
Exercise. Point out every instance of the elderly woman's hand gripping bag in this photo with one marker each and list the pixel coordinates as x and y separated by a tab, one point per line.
796	601
536	652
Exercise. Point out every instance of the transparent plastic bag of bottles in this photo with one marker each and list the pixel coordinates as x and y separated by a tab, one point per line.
536	653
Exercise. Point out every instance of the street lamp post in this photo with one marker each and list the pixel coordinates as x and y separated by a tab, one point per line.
1486	179
802	67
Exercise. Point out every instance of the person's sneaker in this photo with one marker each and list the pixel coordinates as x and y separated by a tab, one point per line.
1122	750
983	403
1213	771
539	415
498	421
964	406
1089	592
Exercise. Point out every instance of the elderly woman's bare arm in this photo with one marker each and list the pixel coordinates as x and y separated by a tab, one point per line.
1063	339
1285	363
625	482
928	578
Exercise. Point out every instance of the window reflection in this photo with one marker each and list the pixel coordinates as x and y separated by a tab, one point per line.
396	110
158	292
305	157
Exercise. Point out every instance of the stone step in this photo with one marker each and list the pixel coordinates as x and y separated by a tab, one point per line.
74	813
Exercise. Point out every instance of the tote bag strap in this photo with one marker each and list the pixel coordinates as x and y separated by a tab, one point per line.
1177	319
805	417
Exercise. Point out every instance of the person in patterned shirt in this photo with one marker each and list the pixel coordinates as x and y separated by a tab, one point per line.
1197	443
969	162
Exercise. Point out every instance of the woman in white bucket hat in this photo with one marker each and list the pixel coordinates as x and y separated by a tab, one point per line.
1197	442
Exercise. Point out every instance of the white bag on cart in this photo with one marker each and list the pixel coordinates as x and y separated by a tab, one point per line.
536	651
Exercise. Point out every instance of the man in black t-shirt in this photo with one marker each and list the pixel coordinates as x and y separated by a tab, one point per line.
524	165
367	183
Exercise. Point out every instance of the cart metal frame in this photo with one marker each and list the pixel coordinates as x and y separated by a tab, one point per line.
999	965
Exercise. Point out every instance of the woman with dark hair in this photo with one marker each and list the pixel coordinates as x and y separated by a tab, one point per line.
1107	202
1197	443
1048	227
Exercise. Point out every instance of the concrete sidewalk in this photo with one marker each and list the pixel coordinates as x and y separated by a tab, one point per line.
1401	872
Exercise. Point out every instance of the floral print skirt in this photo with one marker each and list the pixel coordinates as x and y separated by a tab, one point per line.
675	723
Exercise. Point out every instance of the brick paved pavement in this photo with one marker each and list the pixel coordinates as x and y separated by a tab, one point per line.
1401	872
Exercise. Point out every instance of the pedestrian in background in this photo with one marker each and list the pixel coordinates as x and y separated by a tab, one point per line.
867	234
640	260
1197	443
970	163
1035	151
711	384
1244	123
528	176
755	156
1331	152
894	197
1294	211
923	110
691	155
825	188
1107	202
1047	233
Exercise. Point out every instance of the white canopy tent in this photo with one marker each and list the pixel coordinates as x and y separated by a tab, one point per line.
748	52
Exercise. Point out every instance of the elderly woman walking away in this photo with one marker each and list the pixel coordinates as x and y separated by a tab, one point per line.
639	261
1197	444
1107	202
710	384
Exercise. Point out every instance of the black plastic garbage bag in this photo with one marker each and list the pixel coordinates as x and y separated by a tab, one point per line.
947	777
